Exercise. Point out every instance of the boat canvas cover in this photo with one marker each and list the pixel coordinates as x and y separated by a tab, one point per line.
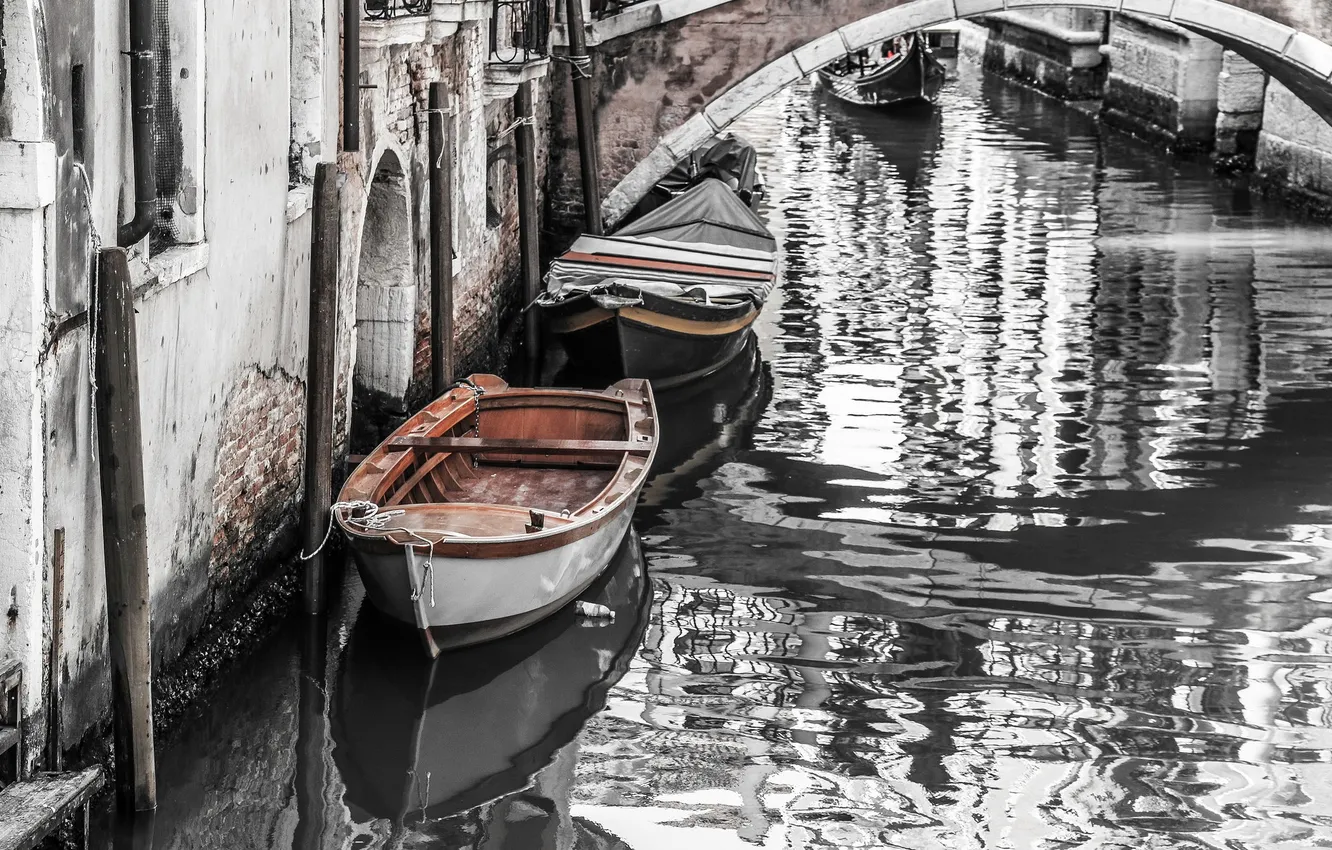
728	158
709	213
705	243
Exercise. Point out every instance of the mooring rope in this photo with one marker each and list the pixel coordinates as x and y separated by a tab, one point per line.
581	66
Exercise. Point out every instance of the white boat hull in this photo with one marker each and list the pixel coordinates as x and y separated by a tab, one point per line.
468	600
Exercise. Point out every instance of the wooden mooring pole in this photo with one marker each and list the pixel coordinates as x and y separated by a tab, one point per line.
581	67
529	242
441	244
319	385
312	738
56	654
124	532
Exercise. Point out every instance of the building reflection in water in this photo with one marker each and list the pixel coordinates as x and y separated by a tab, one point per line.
1026	544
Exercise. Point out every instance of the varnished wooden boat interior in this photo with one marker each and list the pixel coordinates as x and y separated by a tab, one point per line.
506	462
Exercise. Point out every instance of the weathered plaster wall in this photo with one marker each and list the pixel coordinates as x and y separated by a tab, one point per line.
209	319
221	325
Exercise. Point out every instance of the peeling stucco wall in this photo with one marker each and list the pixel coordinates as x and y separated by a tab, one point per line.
222	323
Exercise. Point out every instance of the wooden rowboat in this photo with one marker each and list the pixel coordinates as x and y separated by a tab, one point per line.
493	507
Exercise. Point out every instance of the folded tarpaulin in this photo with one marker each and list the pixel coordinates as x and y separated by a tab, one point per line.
709	213
662	267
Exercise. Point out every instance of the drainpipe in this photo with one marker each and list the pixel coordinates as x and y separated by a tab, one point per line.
351	75
142	111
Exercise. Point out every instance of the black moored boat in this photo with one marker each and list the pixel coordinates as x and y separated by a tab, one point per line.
900	71
670	296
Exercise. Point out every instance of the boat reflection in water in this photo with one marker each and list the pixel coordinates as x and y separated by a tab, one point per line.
484	731
699	420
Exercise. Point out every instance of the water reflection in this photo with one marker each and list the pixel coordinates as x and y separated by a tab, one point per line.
1024	543
487	729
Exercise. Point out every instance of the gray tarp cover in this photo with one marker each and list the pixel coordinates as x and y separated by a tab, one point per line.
704	219
710	213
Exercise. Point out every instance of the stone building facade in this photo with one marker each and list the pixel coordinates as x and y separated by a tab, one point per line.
1170	85
249	99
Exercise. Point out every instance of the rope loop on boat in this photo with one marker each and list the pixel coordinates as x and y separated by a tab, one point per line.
427	575
368	519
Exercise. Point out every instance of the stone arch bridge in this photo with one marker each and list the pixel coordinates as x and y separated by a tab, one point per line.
668	74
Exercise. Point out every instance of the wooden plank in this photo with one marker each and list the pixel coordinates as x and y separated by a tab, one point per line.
9	738
124	532
529	239
320	377
56	658
441	241
584	116
665	266
33	809
471	445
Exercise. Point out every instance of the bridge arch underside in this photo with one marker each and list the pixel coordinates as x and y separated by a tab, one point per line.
660	83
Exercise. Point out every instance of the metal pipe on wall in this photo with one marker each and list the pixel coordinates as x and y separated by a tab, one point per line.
351	75
580	65
143	110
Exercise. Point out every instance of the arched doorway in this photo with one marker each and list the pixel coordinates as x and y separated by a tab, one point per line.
385	304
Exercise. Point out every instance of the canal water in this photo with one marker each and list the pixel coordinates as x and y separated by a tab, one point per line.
1012	532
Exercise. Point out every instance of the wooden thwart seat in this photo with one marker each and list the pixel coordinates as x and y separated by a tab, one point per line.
475	445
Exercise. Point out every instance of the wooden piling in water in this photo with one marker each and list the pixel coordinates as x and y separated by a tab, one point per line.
441	243
529	241
124	532
581	68
312	738
319	386
56	654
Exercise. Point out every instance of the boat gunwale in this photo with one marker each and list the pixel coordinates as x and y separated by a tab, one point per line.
636	405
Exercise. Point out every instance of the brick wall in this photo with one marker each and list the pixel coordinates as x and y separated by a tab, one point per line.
258	486
487	296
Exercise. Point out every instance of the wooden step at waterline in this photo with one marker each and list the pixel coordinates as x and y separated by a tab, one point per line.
11	731
33	809
9	739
